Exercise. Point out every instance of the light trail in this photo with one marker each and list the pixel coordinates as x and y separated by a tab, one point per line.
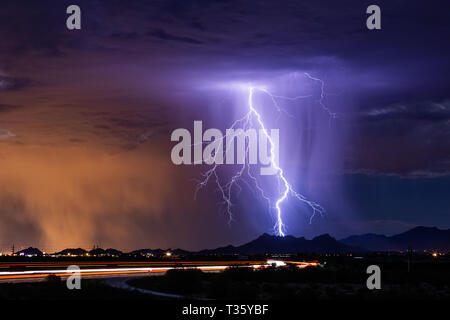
110	271
303	264
125	263
124	270
36	274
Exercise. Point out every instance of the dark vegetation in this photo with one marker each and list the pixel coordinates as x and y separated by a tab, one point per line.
340	278
55	289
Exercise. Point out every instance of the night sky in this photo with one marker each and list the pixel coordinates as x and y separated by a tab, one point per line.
86	118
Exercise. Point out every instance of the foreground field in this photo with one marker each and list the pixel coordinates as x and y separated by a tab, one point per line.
302	284
338	278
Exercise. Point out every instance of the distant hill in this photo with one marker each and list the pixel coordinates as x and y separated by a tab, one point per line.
159	252
369	241
108	252
289	244
419	239
72	252
148	252
180	252
29	252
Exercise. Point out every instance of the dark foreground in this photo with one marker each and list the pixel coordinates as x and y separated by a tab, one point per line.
338	278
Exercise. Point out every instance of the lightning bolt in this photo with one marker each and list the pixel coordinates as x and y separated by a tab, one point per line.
285	189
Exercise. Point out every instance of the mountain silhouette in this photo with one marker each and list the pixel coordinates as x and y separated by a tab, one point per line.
418	239
72	252
274	244
108	252
29	252
148	252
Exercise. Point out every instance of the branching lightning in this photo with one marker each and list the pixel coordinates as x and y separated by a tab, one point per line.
253	119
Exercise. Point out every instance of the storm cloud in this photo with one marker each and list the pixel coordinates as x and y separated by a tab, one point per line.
86	116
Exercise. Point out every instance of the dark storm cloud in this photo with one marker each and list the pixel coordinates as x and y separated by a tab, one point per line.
124	35
403	65
30	26
408	139
389	86
8	107
163	35
9	83
104	127
418	111
6	134
15	227
134	123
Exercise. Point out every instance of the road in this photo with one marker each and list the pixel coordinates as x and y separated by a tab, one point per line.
39	271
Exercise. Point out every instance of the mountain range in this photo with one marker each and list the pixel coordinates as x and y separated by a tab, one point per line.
417	239
288	244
